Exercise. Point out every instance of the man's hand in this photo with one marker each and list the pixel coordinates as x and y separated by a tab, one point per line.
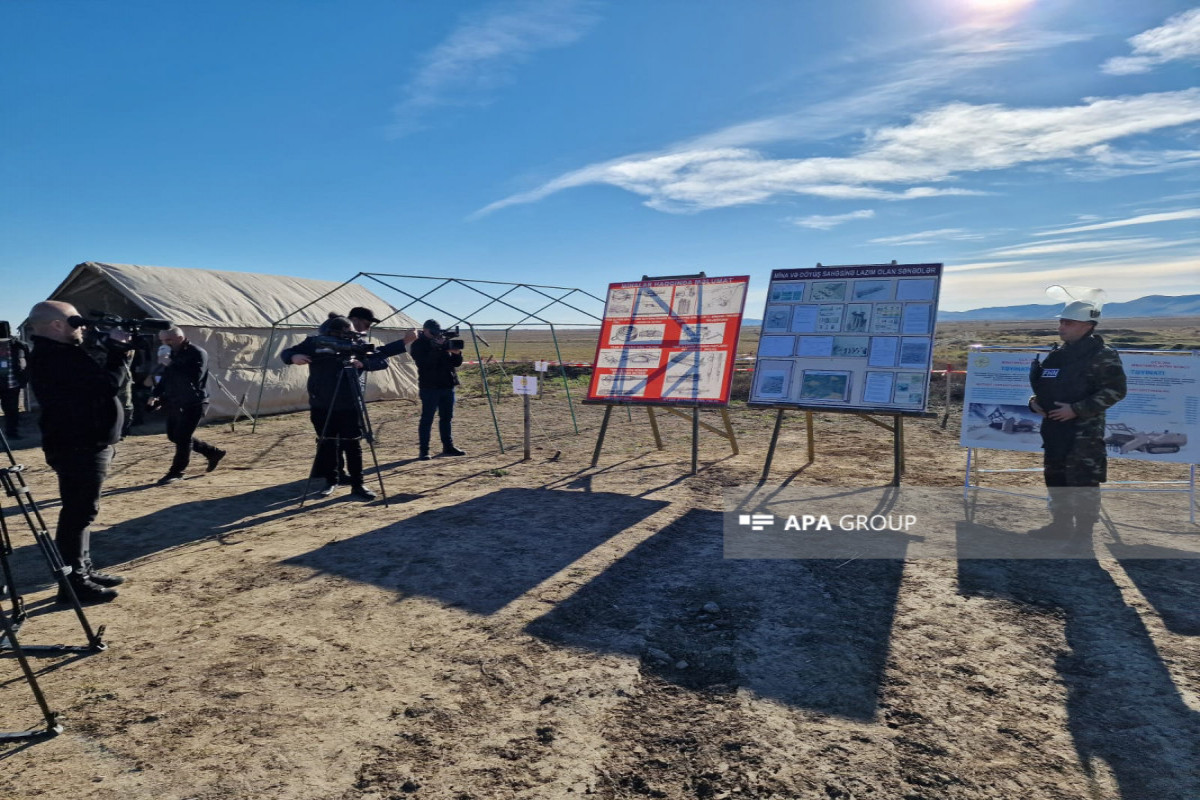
1064	413
153	403
410	336
356	363
457	352
300	360
120	336
1035	408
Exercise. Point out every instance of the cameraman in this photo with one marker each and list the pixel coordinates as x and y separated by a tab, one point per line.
333	395
436	378
183	391
77	387
14	357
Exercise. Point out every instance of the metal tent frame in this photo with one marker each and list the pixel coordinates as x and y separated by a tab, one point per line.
468	319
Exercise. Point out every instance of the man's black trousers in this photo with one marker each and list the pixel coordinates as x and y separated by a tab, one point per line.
338	432
10	404
181	425
81	473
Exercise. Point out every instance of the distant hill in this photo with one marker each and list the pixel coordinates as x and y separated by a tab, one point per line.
1155	305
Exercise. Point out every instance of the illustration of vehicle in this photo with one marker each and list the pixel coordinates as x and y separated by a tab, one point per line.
1125	439
1003	422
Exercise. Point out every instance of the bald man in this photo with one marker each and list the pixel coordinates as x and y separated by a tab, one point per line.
77	387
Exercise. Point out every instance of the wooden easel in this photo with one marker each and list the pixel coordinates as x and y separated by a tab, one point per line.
727	433
896	428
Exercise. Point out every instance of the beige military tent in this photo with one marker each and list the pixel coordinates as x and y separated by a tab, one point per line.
231	315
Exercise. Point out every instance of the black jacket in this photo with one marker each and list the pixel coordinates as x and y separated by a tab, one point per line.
78	393
16	355
328	385
435	364
184	381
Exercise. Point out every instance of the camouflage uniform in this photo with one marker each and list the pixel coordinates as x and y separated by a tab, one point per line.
1088	375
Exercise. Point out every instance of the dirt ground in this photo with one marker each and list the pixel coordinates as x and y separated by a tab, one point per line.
542	629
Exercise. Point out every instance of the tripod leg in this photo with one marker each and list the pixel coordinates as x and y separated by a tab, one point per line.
53	727
13	480
364	422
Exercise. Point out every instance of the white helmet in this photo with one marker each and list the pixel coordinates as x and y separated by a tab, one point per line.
1082	304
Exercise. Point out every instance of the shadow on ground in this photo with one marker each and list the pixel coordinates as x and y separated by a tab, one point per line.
813	634
482	554
1123	706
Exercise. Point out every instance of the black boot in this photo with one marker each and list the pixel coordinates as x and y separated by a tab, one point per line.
362	492
105	579
85	591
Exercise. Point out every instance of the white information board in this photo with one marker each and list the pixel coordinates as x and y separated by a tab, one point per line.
854	337
1159	419
525	384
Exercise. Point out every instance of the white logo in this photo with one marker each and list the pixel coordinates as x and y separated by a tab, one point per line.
756	521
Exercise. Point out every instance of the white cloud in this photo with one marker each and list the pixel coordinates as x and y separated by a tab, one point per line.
1055	248
935	147
482	53
1178	38
1143	219
977	265
928	237
823	223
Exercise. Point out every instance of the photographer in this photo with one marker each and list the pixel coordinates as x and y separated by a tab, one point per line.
13	377
334	363
183	392
437	357
77	386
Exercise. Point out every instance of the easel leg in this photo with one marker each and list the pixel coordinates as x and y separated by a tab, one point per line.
654	427
897	458
771	448
600	438
729	431
808	424
695	438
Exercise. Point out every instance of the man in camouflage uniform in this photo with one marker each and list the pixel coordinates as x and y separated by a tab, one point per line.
1073	386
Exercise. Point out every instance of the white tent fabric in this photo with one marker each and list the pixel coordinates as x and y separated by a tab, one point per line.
231	314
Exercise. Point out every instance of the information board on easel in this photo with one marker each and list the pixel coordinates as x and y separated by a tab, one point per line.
669	342
853	339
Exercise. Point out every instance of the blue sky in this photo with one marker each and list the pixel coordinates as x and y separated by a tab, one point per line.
1021	142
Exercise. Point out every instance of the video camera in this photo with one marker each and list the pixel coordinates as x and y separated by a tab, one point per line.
105	323
448	339
330	345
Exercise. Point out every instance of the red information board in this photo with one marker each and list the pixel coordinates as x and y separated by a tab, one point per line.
669	342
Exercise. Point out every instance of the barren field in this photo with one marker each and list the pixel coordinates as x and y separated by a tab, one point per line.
543	629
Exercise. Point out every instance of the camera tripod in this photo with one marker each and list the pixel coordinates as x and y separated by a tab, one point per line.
349	376
12	478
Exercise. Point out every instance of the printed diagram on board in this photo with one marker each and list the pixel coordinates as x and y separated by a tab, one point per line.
620	302
686	300
614	358
722	298
694	373
653	302
642	334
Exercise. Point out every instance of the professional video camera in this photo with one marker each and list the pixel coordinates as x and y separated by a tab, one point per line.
105	323
342	347
448	338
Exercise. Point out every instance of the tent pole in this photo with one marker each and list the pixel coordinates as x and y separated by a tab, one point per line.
562	370
486	389
262	382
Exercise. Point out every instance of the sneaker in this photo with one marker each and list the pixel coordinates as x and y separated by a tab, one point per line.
214	458
453	451
362	492
326	490
86	591
105	579
169	478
